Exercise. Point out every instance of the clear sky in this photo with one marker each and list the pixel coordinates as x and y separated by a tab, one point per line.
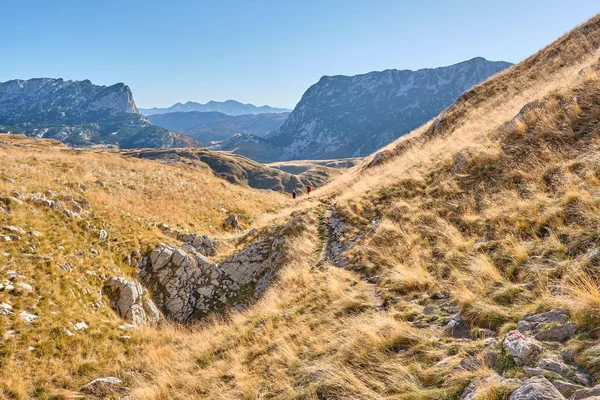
264	52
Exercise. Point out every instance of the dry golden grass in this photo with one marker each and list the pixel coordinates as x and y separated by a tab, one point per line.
513	231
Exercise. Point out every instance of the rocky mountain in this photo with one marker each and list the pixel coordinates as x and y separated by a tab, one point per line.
79	114
350	116
207	127
229	107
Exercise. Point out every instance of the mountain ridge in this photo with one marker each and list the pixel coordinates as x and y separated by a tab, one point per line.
211	126
344	116
229	107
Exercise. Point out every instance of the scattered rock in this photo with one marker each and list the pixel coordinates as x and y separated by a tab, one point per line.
441	296
100	183
533	371
68	332
428	310
590	394
539	322
80	326
231	222
486	359
24	287
14	229
460	162
27	316
458	328
103	235
557	333
473	390
104	387
566	388
487	333
66	267
131	301
69	213
536	388
568	372
523	349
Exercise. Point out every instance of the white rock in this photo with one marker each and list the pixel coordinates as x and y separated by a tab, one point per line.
103	235
80	326
28	317
24	286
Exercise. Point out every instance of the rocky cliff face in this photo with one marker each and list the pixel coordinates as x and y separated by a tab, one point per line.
60	101
343	116
353	116
79	113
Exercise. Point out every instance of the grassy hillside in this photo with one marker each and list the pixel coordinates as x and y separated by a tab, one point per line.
403	282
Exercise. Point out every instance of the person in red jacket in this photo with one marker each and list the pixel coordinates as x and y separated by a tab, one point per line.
308	189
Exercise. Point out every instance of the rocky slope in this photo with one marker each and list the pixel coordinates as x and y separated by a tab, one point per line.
229	107
351	116
79	114
207	127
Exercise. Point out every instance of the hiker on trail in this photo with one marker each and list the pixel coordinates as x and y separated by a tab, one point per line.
308	189
293	194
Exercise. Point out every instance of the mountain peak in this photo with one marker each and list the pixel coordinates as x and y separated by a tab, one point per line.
350	116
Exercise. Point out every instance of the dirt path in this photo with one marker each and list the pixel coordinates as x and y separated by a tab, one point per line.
332	253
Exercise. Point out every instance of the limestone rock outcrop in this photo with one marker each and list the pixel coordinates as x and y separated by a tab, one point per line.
131	301
187	286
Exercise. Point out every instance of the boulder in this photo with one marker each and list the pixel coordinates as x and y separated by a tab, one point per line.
460	162
473	390
557	333
523	349
568	372
588	394
457	327
231	222
131	301
553	325
566	388
536	388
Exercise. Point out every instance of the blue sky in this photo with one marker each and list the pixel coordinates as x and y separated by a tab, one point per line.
264	52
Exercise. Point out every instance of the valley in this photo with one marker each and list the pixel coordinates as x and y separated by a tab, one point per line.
450	255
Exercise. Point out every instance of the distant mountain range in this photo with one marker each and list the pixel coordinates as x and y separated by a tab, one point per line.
80	114
350	116
338	117
229	107
207	127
